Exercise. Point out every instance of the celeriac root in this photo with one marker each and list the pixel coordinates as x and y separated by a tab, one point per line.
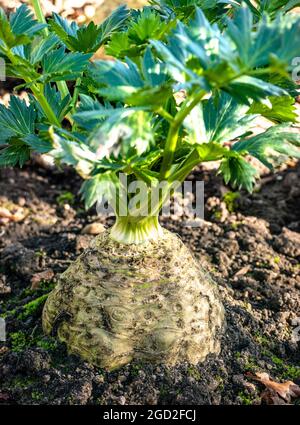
151	302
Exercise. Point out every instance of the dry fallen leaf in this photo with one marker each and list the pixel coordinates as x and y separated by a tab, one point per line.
286	390
271	397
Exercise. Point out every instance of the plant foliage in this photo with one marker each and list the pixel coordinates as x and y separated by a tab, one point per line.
188	80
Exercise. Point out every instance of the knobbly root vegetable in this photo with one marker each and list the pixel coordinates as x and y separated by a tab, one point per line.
151	302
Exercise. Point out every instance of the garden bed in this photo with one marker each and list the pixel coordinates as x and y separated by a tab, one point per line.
250	245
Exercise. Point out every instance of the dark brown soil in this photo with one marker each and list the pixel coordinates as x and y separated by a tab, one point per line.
251	247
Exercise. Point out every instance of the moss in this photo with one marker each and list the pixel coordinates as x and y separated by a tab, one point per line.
36	395
217	215
282	368
47	343
32	307
65	198
221	385
46	286
40	253
194	373
250	364
164	391
230	199
285	370
135	368
245	398
22	382
262	340
9	313
18	341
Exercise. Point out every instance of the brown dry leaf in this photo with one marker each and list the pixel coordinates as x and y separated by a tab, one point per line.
271	397
285	390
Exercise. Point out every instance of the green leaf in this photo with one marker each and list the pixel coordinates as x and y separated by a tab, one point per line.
15	153
42	47
201	56
148	25
73	153
120	46
88	38
245	88
126	132
91	112
273	146
98	187
59	66
118	79
22	22
37	144
238	172
19	28
113	23
184	9
278	37
218	119
271	7
18	119
125	82
142	26
211	152
282	109
58	105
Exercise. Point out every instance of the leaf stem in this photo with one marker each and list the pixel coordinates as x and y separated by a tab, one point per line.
163	113
172	137
187	167
75	95
39	14
36	90
61	85
45	105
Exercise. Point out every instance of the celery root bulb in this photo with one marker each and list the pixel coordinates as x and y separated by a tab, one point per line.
150	302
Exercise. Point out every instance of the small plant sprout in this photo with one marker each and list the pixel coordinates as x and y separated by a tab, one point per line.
184	88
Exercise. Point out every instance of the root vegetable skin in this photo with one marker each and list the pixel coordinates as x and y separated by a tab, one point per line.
151	302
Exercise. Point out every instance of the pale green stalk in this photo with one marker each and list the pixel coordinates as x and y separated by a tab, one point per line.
61	85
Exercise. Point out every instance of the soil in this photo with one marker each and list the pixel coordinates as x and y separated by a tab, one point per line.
249	243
